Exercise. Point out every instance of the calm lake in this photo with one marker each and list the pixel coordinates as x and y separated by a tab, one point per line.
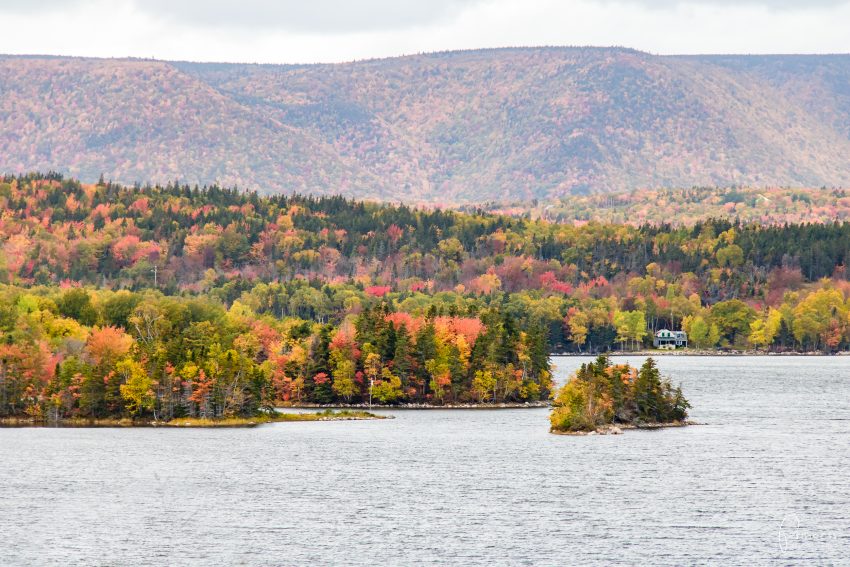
765	481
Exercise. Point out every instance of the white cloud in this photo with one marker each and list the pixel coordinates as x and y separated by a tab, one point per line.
331	30
314	16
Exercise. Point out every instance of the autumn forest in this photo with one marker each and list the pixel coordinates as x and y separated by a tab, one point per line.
172	301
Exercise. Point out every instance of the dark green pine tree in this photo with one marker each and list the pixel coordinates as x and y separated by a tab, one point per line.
538	350
648	393
365	327
784	338
426	349
320	393
402	356
680	406
507	350
387	340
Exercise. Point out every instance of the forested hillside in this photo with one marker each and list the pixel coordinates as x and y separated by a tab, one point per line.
176	300
453	127
763	205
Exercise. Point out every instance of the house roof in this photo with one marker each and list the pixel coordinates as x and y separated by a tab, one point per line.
666	334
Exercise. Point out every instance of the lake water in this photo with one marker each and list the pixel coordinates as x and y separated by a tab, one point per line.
766	481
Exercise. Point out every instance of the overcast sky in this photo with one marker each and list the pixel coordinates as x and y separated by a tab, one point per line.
302	31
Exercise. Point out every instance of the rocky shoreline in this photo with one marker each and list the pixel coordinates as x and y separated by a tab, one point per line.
694	352
506	405
619	428
189	422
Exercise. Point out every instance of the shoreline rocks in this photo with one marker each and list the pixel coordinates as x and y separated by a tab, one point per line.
692	352
511	405
619	428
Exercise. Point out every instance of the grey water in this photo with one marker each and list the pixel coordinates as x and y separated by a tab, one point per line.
765	481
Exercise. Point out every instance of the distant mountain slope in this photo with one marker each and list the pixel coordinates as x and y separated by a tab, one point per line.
687	207
452	127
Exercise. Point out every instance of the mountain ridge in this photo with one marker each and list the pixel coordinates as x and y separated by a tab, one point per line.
450	127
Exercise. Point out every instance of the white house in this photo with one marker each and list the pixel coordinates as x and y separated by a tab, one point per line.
670	339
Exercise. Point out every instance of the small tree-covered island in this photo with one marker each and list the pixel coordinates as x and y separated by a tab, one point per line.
603	397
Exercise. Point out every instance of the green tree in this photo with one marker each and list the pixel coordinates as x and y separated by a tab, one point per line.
137	388
343	379
733	319
648	393
731	256
484	385
76	304
387	390
820	318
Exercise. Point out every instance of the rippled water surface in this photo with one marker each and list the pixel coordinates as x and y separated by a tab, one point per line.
765	481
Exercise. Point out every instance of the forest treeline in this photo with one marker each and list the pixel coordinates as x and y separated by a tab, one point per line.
494	291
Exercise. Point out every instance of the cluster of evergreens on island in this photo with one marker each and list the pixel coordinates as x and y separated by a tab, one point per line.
602	393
